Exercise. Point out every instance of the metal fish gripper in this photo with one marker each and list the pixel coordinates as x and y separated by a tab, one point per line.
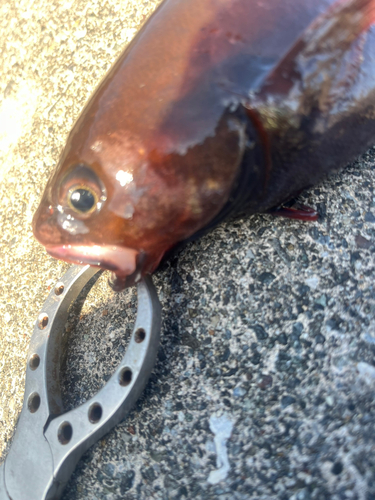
48	442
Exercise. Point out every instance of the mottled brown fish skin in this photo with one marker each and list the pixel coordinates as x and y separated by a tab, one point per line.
216	107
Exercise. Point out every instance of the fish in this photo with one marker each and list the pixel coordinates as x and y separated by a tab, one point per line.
216	108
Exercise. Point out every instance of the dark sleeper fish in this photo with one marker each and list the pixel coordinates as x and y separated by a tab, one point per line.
217	107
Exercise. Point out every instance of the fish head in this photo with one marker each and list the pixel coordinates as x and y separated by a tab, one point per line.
114	203
152	159
103	206
76	223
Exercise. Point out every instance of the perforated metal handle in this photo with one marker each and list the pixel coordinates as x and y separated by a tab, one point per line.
46	447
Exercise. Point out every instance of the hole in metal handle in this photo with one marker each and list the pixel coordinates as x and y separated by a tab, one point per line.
65	433
95	413
34	362
42	321
33	402
125	376
59	288
140	335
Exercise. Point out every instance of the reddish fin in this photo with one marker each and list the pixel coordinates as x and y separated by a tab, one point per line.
300	212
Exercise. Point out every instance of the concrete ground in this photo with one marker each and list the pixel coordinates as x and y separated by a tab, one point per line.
267	359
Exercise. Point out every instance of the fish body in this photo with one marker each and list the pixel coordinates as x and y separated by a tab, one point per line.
216	107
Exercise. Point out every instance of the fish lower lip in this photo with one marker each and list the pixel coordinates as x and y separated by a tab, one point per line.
114	258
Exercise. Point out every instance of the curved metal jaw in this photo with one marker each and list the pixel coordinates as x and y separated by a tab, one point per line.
48	442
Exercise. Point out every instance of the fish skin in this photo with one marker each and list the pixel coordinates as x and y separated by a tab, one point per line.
216	107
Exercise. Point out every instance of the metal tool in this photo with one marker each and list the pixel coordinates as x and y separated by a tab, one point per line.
48	442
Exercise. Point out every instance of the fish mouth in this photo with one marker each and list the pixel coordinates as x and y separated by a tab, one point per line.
124	262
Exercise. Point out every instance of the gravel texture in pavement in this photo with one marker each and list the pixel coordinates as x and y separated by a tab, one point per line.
264	384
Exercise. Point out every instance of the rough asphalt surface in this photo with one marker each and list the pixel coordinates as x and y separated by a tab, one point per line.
267	360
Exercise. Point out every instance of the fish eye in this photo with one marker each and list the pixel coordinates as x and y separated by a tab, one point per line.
81	191
82	199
